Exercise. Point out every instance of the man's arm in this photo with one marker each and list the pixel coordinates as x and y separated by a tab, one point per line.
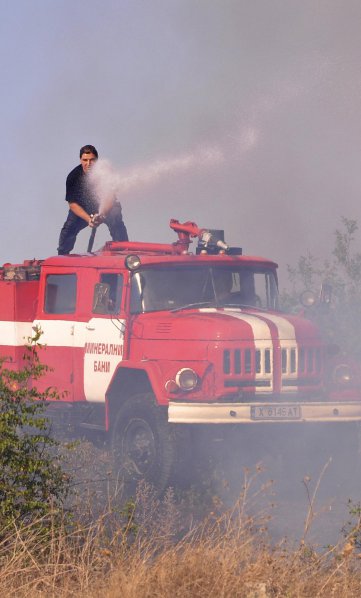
78	211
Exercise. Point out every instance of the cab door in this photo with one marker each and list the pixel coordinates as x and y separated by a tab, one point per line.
103	335
56	321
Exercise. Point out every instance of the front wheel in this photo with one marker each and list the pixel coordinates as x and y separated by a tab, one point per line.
143	443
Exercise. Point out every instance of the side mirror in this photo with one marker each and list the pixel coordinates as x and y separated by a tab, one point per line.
326	293
101	298
308	298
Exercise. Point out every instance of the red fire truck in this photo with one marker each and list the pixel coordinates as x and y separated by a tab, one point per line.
149	341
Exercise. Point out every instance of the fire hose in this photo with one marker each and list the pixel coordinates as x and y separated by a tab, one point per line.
91	239
96	219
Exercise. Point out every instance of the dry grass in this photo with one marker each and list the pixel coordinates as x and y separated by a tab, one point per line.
153	548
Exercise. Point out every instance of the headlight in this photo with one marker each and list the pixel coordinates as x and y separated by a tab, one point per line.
342	374
132	262
186	379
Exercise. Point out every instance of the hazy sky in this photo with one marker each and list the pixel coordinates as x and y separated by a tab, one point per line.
270	89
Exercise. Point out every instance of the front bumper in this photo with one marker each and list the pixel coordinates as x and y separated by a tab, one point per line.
255	413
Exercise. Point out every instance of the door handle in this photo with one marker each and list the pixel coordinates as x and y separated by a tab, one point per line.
90	327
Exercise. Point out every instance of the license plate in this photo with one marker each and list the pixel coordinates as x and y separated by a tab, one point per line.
263	412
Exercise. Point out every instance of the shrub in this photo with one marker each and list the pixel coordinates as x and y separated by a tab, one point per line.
341	322
32	482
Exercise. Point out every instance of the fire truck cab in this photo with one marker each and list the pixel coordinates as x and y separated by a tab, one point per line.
146	340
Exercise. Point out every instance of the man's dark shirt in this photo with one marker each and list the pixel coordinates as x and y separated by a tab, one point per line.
78	191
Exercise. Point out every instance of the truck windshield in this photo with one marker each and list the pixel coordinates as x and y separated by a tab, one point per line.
157	289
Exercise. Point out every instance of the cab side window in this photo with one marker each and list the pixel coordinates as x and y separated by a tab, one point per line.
114	297
60	294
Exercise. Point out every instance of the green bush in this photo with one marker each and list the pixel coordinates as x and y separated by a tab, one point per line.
32	482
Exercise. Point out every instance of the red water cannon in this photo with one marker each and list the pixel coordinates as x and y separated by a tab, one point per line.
185	231
209	240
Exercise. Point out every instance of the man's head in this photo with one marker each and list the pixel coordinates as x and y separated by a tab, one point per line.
88	157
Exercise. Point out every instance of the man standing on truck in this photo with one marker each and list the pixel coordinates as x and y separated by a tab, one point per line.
84	205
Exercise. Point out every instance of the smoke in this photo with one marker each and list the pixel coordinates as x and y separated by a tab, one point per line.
246	136
108	182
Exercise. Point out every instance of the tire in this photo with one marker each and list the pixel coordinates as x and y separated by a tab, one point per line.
143	443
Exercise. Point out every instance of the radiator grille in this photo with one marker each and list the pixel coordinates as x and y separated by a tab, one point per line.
298	367
245	361
302	361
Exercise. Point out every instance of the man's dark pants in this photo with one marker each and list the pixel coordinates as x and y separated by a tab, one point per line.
73	225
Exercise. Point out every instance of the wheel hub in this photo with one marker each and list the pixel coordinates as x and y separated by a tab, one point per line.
139	448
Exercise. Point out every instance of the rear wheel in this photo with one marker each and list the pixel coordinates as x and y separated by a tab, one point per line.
144	443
